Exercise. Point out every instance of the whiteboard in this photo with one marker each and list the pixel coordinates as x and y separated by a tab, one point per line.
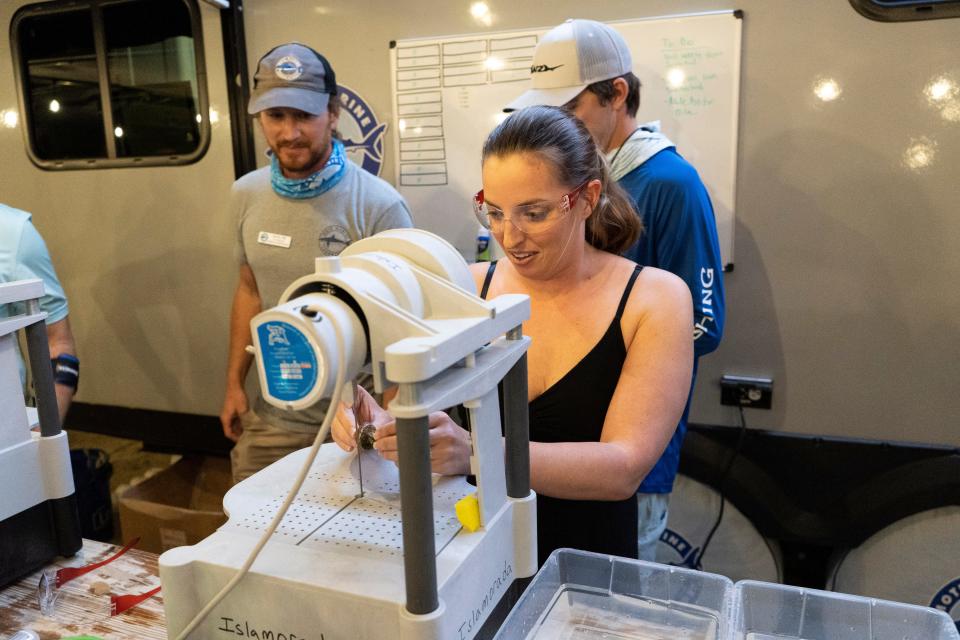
449	93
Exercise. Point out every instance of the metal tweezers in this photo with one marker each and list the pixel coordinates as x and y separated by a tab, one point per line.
363	431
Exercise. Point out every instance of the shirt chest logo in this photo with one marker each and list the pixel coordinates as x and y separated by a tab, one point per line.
333	240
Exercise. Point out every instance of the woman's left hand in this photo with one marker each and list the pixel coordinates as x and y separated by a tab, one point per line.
450	445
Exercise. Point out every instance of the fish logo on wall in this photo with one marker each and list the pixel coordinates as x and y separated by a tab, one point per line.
360	131
948	600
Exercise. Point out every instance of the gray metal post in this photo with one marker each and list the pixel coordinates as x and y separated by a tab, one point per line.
516	420
39	353
416	505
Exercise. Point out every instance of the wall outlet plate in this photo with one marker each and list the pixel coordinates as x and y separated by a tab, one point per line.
746	391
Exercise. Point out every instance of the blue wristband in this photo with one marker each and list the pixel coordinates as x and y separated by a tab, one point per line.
66	370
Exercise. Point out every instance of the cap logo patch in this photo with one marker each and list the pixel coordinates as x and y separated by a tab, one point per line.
288	68
540	68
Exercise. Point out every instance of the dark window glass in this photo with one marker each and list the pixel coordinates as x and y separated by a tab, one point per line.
62	86
111	80
904	10
153	78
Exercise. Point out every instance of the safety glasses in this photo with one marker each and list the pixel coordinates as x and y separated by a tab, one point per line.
529	218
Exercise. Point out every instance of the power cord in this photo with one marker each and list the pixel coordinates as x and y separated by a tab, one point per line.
721	486
314	450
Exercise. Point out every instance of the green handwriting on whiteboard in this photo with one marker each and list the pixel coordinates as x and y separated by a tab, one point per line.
678	43
690	57
691	93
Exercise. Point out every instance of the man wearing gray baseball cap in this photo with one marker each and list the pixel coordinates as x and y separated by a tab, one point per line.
585	67
310	201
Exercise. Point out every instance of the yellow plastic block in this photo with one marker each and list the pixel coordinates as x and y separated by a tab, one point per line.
468	512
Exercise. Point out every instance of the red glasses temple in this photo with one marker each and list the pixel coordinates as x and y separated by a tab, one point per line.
66	574
119	604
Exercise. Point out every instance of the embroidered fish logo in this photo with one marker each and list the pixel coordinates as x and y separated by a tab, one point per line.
288	68
333	239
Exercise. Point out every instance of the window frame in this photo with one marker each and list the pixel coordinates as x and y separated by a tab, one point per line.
907	11
100	46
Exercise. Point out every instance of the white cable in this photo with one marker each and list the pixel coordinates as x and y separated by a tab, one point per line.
314	450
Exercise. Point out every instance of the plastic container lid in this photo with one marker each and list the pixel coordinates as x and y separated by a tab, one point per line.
580	595
765	611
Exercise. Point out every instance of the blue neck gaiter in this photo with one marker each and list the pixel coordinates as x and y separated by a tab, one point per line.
315	184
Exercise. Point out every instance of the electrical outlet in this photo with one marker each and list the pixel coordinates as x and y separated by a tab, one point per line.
746	391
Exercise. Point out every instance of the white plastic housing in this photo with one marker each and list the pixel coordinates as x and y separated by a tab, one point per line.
335	565
296	346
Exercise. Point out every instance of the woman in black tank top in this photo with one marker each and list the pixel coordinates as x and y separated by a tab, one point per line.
611	354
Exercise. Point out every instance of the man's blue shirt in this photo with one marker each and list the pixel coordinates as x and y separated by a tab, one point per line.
680	236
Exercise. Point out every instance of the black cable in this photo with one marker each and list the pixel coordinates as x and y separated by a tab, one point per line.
721	486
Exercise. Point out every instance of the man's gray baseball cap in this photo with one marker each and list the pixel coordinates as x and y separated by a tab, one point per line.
293	76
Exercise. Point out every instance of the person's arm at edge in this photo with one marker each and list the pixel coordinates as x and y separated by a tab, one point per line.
246	304
60	342
34	261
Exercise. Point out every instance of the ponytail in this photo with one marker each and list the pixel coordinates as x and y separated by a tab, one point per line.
614	224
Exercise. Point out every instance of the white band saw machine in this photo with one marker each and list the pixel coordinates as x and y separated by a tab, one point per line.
395	562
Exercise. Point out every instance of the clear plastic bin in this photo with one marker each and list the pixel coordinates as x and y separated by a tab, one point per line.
764	611
582	596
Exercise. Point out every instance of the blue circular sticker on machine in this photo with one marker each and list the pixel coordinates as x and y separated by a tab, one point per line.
289	363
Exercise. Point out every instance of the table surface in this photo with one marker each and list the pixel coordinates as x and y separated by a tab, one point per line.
19	608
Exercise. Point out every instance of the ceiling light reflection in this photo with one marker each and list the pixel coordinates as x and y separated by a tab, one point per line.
10	118
481	13
827	89
676	78
55	106
920	154
940	90
493	63
951	111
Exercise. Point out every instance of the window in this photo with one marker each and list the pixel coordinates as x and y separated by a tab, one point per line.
904	10
108	83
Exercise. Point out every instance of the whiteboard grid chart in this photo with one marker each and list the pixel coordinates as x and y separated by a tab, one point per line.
449	93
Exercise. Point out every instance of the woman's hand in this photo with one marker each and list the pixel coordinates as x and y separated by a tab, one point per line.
344	426
450	445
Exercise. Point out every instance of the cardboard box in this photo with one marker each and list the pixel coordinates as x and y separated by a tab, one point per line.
181	505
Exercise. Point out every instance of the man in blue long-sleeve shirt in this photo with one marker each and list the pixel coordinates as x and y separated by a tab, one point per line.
586	67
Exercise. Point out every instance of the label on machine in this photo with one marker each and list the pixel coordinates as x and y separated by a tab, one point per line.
289	362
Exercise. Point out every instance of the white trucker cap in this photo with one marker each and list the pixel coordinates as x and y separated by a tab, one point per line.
570	57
